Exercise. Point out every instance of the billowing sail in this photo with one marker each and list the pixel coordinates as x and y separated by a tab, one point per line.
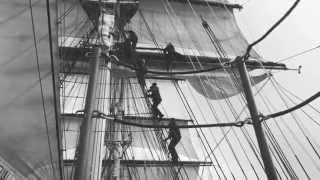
221	87
29	145
159	22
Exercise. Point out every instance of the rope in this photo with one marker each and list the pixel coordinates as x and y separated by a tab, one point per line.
310	117
220	53
247	54
53	75
199	132
299	54
307	101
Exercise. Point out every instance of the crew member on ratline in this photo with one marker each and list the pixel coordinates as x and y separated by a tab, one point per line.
175	136
154	93
141	71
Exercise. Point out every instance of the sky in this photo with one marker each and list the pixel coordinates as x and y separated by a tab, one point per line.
300	31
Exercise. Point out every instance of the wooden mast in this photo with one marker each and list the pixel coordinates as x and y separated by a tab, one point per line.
117	135
90	145
264	150
86	147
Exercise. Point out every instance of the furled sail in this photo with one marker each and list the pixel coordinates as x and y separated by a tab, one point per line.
29	145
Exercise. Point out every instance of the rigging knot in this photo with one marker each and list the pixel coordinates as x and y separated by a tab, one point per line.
262	117
299	69
239	123
247	121
98	114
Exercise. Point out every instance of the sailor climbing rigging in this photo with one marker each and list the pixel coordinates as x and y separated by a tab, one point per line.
154	93
175	136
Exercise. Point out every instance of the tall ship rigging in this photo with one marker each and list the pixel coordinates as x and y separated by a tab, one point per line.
76	100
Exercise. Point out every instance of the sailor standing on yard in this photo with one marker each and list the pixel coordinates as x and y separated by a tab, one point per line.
169	53
175	136
132	38
156	100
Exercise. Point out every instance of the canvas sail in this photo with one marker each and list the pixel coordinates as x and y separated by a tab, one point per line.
164	21
159	22
221	87
28	136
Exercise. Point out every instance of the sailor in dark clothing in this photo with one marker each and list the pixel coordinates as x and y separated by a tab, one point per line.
141	71
169	53
156	100
169	50
175	136
132	38
130	43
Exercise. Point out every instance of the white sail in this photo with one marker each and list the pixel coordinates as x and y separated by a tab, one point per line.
164	21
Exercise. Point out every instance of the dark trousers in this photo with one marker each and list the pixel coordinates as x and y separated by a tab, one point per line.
172	149
141	79
155	110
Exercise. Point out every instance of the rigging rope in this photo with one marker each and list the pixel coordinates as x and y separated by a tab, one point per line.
247	54
218	49
313	108
222	53
200	131
284	161
299	54
295	137
307	101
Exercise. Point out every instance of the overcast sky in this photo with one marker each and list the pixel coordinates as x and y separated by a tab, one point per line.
300	31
